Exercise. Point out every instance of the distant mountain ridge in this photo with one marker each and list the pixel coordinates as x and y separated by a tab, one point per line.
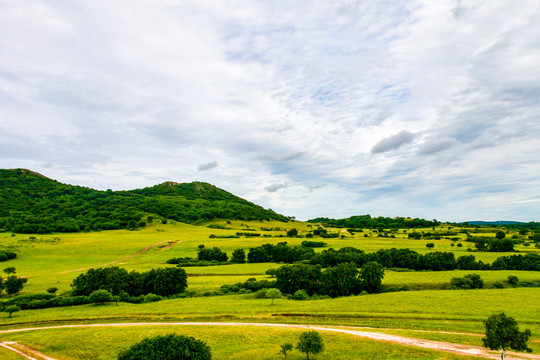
33	203
499	222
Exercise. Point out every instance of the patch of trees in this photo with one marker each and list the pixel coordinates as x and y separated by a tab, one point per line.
214	254
162	282
313	244
7	255
368	222
529	262
492	244
279	253
342	280
32	203
470	281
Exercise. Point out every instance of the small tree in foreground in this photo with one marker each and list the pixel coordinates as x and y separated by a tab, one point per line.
285	349
168	347
273	294
310	342
502	333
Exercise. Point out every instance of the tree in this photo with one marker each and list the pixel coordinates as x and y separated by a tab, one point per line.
101	296
52	290
502	333
341	280
310	342
238	256
14	284
273	294
430	245
292	232
285	349
500	234
168	347
10	270
11	309
372	274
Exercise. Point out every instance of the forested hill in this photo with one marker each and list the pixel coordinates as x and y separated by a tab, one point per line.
33	203
368	222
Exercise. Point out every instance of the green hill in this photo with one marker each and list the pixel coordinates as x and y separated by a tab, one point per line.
33	203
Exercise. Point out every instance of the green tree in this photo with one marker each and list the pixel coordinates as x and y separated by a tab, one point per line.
238	256
10	270
502	333
285	349
101	296
372	274
500	234
168	347
14	284
273	294
292	232
430	245
310	342
11	309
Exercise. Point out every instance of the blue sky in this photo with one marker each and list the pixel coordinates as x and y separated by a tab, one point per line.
331	108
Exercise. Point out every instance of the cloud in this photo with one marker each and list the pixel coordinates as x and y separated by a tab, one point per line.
208	166
436	146
393	142
274	187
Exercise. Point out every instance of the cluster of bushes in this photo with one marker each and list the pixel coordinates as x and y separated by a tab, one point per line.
483	243
248	234
470	281
189	262
7	255
214	254
435	261
162	282
368	222
313	244
279	253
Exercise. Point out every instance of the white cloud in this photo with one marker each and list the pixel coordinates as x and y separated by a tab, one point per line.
124	95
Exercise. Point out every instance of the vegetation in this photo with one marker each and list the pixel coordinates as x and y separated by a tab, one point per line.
310	342
502	333
32	203
168	347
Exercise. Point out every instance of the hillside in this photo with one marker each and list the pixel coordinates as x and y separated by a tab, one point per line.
33	203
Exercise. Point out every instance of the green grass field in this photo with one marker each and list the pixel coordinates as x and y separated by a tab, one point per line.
51	260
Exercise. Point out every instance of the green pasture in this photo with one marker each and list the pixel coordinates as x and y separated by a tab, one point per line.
238	342
448	310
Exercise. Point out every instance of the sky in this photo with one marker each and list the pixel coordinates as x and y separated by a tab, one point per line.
426	109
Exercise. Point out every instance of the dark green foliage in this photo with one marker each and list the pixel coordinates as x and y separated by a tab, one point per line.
291	278
32	203
238	256
14	284
470	281
292	232
468	262
300	295
367	222
168	347
212	254
285	349
371	275
163	282
501	245
341	280
430	245
250	285
11	309
313	243
500	234
502	333
310	342
7	255
517	262
513	280
52	290
100	297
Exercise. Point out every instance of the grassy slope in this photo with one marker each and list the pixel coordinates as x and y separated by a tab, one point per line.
461	311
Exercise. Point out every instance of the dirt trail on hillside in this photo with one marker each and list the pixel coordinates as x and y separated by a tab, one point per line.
24	351
458	349
171	244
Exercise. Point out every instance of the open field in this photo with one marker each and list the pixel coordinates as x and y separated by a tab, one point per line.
56	259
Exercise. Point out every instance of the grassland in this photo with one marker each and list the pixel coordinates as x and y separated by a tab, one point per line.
50	260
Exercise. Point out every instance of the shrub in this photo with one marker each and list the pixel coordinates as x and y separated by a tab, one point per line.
512	280
100	297
168	347
301	295
498	285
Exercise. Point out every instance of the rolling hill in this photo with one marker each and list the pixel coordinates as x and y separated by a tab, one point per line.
33	203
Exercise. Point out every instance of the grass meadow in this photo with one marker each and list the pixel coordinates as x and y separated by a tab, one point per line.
54	260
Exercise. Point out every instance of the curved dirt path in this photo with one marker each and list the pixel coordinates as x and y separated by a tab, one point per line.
171	244
458	349
14	346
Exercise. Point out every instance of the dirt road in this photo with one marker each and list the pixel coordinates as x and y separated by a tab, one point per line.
426	344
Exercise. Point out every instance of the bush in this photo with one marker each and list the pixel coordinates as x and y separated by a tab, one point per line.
301	295
100	297
497	285
512	280
261	294
471	281
168	347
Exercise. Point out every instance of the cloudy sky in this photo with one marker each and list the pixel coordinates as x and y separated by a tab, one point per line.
426	109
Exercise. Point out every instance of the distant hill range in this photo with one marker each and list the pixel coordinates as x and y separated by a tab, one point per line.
33	203
487	223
